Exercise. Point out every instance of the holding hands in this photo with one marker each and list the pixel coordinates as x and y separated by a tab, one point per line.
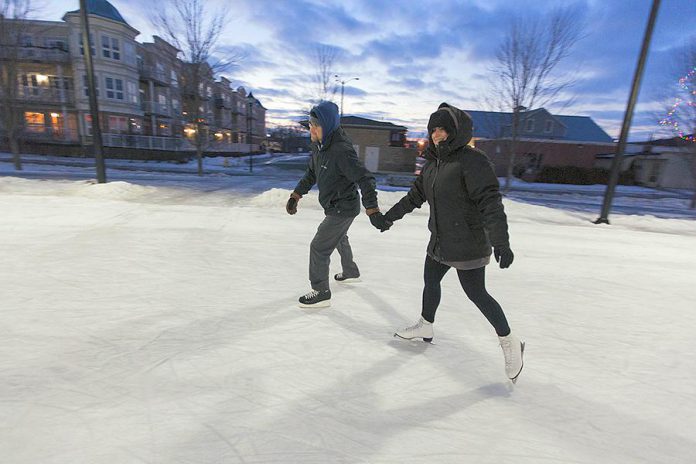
378	220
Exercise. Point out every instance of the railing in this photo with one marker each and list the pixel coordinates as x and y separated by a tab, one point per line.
42	133
147	142
151	72
45	94
55	55
163	109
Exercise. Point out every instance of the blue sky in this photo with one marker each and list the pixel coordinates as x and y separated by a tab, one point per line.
412	55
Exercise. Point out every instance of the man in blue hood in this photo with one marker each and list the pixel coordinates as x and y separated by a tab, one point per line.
336	170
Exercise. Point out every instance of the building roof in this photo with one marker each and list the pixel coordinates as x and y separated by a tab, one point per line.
347	121
492	124
104	9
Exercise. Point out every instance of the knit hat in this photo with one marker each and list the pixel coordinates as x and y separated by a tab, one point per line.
442	118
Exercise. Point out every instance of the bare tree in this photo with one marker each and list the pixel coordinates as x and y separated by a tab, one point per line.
191	27
681	112
527	67
13	24
324	82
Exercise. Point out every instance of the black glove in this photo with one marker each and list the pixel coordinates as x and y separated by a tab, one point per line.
504	256
389	215
379	221
291	205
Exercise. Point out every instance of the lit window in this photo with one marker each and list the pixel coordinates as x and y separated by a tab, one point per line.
118	124
35	122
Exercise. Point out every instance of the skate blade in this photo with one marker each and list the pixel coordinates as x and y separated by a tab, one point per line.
426	340
321	304
353	280
514	380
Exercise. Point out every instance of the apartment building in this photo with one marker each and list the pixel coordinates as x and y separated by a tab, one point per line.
140	89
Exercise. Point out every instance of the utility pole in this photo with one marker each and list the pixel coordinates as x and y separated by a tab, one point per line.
343	85
628	116
92	87
249	133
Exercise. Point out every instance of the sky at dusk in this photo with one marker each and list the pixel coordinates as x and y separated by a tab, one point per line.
412	55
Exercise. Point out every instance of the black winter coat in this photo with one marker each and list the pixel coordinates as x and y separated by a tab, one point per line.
466	209
337	171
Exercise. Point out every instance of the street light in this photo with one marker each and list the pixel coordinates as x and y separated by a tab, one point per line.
343	85
92	87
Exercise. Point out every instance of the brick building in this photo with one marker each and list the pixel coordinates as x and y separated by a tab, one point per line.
544	140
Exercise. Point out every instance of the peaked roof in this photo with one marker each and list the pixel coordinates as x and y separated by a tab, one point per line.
493	124
104	9
358	121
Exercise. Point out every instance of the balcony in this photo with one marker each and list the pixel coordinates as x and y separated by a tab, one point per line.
154	74
147	142
37	54
161	109
50	95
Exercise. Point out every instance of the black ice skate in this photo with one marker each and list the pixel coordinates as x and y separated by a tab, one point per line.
340	277
316	299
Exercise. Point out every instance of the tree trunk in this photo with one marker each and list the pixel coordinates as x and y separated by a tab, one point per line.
14	148
199	158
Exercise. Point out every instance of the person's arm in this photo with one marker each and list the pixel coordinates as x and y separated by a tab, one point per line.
484	190
354	171
412	200
307	182
303	186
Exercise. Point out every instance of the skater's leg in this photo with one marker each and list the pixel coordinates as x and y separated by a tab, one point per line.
329	233
432	276
350	269
474	284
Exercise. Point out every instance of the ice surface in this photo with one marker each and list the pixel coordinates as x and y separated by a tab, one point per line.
157	324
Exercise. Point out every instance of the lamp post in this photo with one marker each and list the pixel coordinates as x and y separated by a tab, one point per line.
92	87
249	134
628	116
343	85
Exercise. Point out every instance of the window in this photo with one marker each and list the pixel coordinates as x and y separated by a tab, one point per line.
114	88
529	125
133	92
111	47
35	122
85	85
88	124
548	127
118	124
174	79
26	40
129	53
30	84
82	45
60	44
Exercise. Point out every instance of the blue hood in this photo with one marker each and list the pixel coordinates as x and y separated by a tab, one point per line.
327	114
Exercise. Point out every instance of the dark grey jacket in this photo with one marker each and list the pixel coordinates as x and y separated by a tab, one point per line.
337	171
459	184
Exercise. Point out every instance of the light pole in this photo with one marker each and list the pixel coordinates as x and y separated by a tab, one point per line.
92	86
343	85
628	116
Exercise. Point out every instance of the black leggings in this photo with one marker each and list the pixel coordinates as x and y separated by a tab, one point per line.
474	284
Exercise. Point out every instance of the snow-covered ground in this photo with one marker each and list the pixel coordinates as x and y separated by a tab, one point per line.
156	323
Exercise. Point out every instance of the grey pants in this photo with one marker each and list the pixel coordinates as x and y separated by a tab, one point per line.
330	236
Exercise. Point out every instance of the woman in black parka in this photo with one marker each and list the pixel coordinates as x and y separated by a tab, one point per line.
466	219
